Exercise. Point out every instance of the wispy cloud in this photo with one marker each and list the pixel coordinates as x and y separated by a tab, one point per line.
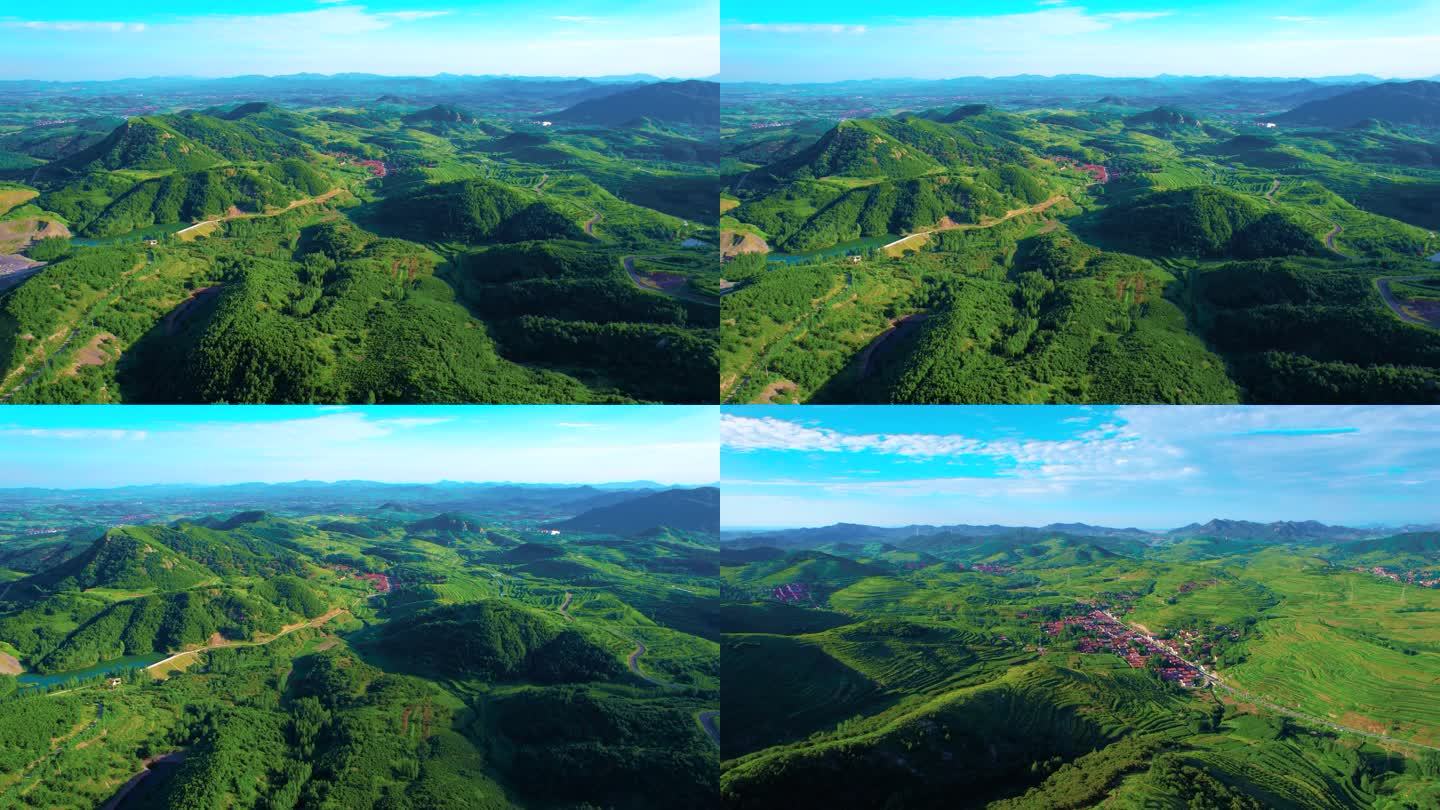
1133	16
75	434
1287	18
80	26
800	28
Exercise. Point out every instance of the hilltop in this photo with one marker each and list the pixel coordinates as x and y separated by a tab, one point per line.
690	510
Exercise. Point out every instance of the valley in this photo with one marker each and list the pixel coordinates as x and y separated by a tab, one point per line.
1080	665
359	644
1079	239
440	246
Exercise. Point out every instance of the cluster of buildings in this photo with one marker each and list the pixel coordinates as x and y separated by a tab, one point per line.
1098	173
377	168
791	592
380	581
1104	633
987	568
1425	579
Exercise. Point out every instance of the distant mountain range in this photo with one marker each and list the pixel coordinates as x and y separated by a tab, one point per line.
1219	529
1413	103
695	103
695	510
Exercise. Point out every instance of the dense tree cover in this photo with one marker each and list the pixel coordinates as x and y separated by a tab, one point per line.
1298	331
31	723
498	641
188	197
579	745
1064	331
479	211
1208	221
49	249
37	307
129	558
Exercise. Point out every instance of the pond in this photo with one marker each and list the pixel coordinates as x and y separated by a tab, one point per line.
114	665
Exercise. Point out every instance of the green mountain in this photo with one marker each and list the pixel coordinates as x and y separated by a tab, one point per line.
1211	222
479	212
125	558
1414	103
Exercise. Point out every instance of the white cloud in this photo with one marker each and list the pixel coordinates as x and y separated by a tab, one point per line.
801	28
1133	16
114	27
1286	18
75	434
578	19
410	16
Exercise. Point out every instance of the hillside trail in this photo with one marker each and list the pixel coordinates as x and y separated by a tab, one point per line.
1383	285
1214	680
740	380
565	608
261	214
591	223
984	223
57	746
8	386
1274	186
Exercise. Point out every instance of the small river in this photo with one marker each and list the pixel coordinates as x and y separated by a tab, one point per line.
853	246
114	665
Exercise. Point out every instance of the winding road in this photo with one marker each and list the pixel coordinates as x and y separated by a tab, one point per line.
707	722
1383	285
316	622
277	212
564	608
591	223
1330	240
680	294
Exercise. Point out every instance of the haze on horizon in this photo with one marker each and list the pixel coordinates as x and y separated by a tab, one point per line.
84	40
838	40
1145	467
67	447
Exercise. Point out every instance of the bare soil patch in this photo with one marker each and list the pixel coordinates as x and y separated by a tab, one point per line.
773	391
91	354
734	243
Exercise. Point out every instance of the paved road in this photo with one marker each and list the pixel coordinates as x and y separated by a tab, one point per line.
1330	240
1274	185
707	722
292	206
564	608
681	293
1383	285
590	224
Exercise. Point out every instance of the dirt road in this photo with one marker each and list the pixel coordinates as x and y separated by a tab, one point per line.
316	622
591	223
972	226
564	608
277	212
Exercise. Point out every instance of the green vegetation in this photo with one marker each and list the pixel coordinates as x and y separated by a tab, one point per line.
264	253
981	255
892	672
259	664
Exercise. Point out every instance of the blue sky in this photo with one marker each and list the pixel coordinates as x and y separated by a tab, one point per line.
88	39
103	446
809	40
1149	467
